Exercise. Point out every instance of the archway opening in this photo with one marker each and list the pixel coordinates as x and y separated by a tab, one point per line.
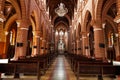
29	41
110	40
91	41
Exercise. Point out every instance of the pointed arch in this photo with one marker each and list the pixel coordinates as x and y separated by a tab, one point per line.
10	21
17	7
36	19
65	16
32	23
86	20
110	20
106	8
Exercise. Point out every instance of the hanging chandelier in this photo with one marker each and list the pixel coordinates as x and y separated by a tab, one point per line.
61	10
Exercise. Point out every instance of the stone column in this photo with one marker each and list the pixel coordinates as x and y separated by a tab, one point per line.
78	46
36	46
45	43
41	46
21	40
56	40
41	51
84	43
77	41
73	47
99	43
103	26
46	48
87	46
38	42
69	42
21	45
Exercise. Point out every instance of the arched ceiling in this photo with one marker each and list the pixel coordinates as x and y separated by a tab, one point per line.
69	4
61	27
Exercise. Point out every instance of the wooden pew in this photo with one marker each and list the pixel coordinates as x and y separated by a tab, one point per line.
96	68
28	65
82	65
79	59
74	59
43	60
21	67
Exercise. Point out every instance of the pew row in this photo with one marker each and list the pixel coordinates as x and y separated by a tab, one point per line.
16	68
94	69
82	65
33	65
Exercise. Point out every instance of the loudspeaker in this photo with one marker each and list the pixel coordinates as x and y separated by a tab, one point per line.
101	45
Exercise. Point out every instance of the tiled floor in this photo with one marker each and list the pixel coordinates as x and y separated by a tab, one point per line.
60	70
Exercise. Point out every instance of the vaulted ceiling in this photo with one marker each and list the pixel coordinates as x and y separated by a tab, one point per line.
69	4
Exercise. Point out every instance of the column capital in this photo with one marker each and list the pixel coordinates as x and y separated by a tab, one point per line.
37	36
98	29
23	28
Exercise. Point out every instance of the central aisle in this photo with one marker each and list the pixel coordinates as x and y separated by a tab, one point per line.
60	70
